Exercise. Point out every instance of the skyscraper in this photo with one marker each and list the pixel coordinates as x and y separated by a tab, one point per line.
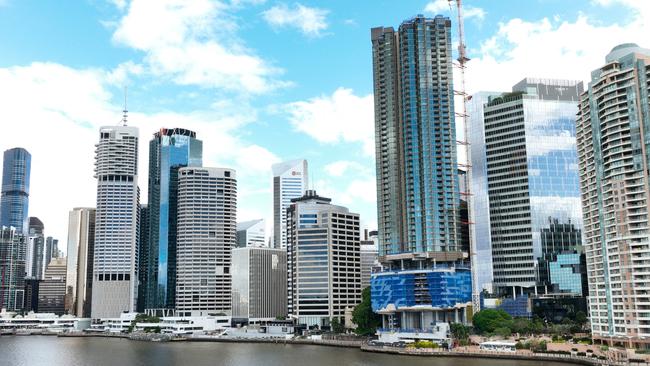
115	276
251	233
50	251
418	199
169	150
526	182
12	269
259	283
79	268
35	249
51	291
323	260
290	180
14	199
207	228
613	146
143	256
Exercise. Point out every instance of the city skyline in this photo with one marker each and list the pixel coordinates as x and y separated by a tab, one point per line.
253	136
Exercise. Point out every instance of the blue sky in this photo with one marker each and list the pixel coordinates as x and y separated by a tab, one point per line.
259	81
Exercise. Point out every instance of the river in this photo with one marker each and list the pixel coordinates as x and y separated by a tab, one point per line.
54	351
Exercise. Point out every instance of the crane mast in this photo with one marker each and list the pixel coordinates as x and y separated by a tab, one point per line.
462	64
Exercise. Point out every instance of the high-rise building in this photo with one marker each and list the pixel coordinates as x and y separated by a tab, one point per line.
368	258
526	182
14	198
31	295
251	233
79	275
259	283
323	260
12	269
35	249
290	180
613	146
51	290
418	198
169	150
143	257
115	271
207	229
51	251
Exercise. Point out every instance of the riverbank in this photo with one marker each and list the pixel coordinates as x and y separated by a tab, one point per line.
547	357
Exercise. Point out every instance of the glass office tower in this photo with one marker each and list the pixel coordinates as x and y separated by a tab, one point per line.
526	182
169	150
14	200
418	200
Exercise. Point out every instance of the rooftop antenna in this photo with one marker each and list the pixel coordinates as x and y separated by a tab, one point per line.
124	111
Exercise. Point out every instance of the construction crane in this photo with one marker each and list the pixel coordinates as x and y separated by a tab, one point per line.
462	64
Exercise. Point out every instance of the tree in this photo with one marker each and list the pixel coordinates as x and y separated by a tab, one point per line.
581	318
460	332
504	332
522	326
337	327
363	316
488	320
143	318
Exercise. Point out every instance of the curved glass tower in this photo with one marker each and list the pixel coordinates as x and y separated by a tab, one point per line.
169	150
15	189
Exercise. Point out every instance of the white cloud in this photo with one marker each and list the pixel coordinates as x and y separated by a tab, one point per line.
310	21
194	43
339	168
340	117
55	113
442	6
551	49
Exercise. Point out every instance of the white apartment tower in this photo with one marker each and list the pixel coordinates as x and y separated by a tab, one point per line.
207	228
290	180
115	272
613	149
323	260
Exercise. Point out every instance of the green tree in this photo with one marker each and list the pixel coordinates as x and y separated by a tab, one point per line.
143	318
487	320
504	332
581	318
337	327
522	326
460	332
363	316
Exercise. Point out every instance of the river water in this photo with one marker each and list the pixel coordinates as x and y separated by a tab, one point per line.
54	351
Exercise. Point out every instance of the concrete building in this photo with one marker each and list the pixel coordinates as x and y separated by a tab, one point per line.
79	275
259	283
35	249
169	150
418	198
51	251
14	195
369	259
613	145
324	260
527	210
51	290
115	271
12	269
251	233
207	228
290	180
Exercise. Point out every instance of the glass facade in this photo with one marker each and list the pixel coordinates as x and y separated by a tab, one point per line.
417	182
14	199
169	150
527	164
443	288
12	269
